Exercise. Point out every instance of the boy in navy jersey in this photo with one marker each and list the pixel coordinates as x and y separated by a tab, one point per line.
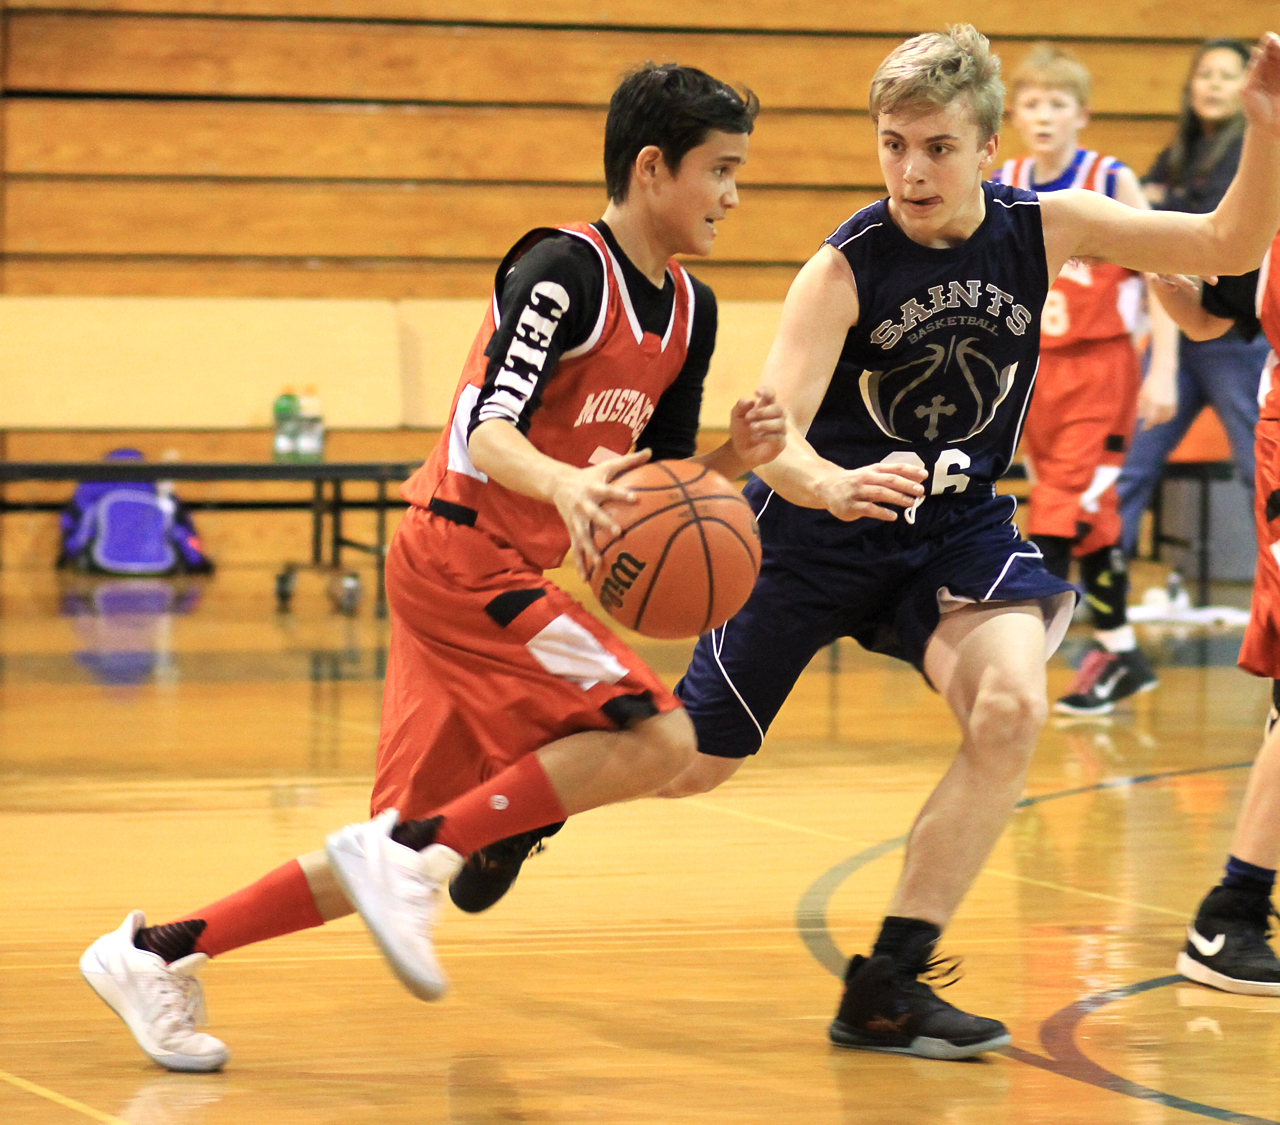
907	350
508	706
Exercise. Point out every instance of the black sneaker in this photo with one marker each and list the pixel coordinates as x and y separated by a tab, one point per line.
1104	679
1227	944
887	1008
488	873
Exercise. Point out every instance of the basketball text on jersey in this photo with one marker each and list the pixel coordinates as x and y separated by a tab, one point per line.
518	378
633	408
955	295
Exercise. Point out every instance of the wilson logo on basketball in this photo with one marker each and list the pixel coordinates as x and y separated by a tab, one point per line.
622	576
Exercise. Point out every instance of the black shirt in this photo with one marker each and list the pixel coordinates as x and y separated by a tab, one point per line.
1198	193
1235	298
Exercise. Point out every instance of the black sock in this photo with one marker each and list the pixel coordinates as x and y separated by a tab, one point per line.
1249	877
172	941
909	941
1105	576
417	834
1057	554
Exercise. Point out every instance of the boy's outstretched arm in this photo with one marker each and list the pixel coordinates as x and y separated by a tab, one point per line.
1229	240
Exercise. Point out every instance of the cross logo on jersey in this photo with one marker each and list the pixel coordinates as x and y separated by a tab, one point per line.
951	392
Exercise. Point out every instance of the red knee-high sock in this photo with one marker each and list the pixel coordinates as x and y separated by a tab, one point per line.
518	799
278	903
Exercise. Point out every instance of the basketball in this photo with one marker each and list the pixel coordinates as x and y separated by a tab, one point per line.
686	556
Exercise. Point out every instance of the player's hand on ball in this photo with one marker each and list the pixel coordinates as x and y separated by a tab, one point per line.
854	494
1260	96
758	428
579	498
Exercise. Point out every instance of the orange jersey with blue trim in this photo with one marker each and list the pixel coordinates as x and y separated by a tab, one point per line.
1089	300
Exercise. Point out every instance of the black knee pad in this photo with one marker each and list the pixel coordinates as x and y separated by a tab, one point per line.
1106	586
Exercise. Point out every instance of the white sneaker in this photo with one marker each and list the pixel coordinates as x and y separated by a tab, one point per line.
161	1004
397	891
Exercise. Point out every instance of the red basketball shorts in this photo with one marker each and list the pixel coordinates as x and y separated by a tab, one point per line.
488	661
1260	653
1077	430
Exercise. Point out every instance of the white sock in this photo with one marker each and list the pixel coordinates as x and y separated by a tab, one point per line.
1123	639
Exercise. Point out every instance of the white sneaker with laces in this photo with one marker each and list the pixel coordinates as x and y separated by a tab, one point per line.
397	892
161	1004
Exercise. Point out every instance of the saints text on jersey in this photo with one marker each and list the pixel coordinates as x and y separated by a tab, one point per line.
954	296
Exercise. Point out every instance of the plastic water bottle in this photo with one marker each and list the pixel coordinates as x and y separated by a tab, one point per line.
286	412
310	427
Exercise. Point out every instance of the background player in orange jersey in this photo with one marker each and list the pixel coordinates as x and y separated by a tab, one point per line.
1227	942
508	706
1086	400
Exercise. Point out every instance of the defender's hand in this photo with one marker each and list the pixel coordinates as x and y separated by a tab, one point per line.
758	428
853	494
579	496
1260	95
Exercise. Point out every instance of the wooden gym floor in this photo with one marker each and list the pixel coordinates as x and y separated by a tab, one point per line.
663	961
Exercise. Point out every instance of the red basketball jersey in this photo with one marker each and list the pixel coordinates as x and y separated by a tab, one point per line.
594	407
1268	308
1088	301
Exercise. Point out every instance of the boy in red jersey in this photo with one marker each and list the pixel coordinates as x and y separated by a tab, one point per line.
1086	402
1227	941
508	706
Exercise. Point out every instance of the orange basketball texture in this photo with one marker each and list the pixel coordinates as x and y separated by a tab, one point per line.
687	554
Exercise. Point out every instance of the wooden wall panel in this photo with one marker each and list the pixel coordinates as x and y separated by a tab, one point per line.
141	276
338	60
287	140
1165	19
48	216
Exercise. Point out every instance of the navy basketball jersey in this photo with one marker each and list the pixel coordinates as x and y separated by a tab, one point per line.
939	369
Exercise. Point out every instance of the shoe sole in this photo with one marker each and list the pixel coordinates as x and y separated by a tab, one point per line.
423	989
922	1046
1194	970
106	989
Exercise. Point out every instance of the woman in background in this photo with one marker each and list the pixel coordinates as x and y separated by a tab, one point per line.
1192	174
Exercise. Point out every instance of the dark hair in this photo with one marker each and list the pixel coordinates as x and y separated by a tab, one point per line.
1180	166
673	107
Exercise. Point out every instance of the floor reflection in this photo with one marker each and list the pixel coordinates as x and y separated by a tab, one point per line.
480	1092
124	626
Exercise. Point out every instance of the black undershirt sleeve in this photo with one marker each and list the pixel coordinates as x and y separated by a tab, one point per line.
672	432
1233	298
549	302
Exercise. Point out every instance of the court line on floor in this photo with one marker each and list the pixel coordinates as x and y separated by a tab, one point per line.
60	1099
1058	1037
1057	1033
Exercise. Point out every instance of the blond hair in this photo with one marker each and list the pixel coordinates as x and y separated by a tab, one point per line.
937	67
1053	68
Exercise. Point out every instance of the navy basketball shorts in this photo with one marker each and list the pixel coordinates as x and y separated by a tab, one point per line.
883	584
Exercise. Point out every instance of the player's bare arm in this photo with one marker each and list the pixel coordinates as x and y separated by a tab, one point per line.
1183	306
1230	240
821	307
1158	398
505	455
757	434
